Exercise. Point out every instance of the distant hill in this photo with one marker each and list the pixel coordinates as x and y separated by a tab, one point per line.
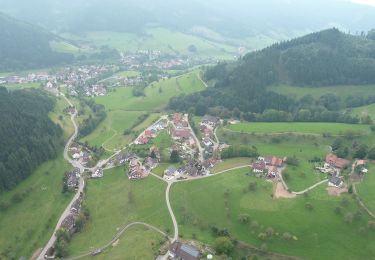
25	46
328	57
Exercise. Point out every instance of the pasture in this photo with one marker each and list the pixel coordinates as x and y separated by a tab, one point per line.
366	189
364	111
114	201
27	225
316	231
342	91
156	97
313	128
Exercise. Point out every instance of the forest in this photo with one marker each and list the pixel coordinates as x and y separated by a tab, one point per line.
24	46
328	57
28	136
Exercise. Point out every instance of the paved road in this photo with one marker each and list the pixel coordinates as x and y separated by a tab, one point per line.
117	236
361	202
81	182
310	188
175	225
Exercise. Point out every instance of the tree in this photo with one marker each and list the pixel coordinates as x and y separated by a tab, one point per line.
244	218
175	157
287	236
309	206
223	245
270	232
349	217
338	210
253	186
61	247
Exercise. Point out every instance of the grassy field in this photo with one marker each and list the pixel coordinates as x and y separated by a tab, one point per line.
111	207
129	73
302	176
135	243
110	132
157	94
319	232
65	47
22	86
366	189
230	163
342	91
65	123
161	39
303	128
364	111
27	226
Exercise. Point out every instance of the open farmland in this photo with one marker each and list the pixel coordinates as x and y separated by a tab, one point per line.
302	128
316	231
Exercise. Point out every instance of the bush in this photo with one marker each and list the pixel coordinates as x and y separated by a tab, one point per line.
253	186
287	236
309	206
244	218
223	245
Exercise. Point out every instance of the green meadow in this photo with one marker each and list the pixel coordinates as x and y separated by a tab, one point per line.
366	189
317	92
114	201
303	128
27	225
364	111
317	231
136	243
156	97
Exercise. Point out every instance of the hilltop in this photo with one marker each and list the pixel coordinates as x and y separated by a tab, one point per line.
328	57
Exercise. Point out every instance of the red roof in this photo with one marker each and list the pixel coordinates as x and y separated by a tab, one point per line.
336	161
181	133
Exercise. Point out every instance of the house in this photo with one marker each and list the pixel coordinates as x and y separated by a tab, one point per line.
272	172
258	167
335	181
72	179
142	140
68	223
207	141
181	134
137	173
180	251
149	134
170	171
360	163
273	161
150	163
50	253
337	162
76	207
98	173
210	120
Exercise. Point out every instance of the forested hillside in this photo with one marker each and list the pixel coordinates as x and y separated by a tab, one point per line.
329	57
27	136
24	46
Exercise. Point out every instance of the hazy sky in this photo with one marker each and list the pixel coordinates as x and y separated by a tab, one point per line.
365	2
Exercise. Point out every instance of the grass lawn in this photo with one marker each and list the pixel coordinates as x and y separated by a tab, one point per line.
148	122
366	189
302	146
27	226
302	176
304	128
128	73
112	128
342	91
22	86
230	163
365	111
136	243
111	209
157	94
64	47
319	232
163	141
65	123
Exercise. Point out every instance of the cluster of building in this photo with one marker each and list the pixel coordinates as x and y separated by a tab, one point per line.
79	153
151	132
95	90
332	166
269	166
136	170
72	179
207	127
184	251
98	173
182	135
192	168
29	78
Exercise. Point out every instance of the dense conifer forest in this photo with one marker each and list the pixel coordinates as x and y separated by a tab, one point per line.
28	136
329	57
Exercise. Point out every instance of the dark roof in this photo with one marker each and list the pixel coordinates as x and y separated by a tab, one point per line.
335	180
185	251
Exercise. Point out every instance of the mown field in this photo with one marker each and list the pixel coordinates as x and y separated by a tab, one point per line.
364	111
342	91
136	243
157	95
318	232
303	128
114	202
161	39
366	189
27	225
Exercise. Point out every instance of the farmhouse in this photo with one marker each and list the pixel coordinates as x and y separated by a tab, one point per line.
258	166
142	140
150	163
180	251
68	223
181	134
335	181
337	162
210	120
272	172
273	161
72	179
98	173
170	171
76	207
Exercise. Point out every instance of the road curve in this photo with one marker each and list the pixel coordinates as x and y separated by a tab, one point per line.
175	225
66	212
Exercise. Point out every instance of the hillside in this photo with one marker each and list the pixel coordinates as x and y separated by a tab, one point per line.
24	46
27	136
329	57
